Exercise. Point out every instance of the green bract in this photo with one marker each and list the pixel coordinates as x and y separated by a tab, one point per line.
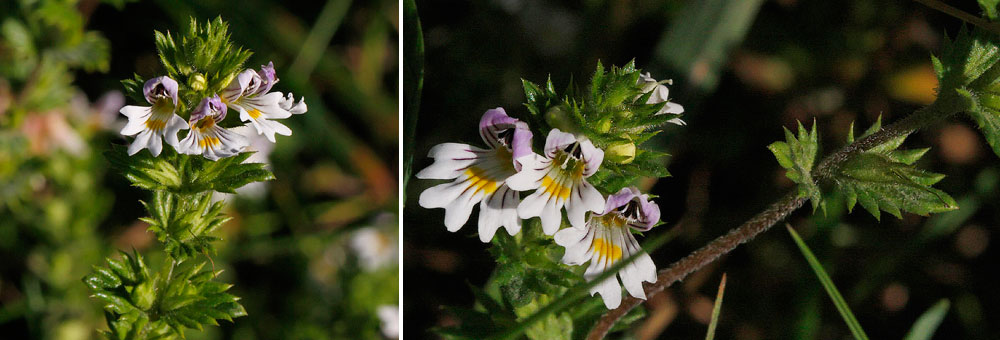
612	113
141	304
797	155
187	174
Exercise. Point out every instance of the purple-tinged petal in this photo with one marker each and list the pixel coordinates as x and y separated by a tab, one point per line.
238	86
160	87
268	77
496	122
521	143
619	199
557	141
209	107
493	122
592	157
650	212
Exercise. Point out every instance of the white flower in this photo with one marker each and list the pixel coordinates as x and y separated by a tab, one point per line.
606	239
151	124
249	94
207	138
660	94
374	249
560	180
480	176
389	315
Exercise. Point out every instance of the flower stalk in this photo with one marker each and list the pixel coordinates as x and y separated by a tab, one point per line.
943	108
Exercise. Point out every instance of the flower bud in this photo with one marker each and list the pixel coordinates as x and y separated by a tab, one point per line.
198	82
621	153
558	118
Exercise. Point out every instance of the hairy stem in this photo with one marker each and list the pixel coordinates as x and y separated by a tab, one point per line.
942	108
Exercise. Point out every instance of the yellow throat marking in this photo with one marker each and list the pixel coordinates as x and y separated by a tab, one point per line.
255	113
155	125
479	181
554	188
607	250
209	142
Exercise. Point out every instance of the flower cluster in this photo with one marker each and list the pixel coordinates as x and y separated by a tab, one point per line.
249	94
494	176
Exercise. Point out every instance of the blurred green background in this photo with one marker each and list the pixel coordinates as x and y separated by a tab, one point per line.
742	69
312	254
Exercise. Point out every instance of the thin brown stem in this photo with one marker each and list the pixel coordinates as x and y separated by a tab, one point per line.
776	212
961	15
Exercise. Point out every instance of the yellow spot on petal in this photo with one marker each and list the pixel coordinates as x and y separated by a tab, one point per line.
554	188
209	142
205	124
155	125
479	181
255	113
607	250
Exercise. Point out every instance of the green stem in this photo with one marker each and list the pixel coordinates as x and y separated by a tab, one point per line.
947	105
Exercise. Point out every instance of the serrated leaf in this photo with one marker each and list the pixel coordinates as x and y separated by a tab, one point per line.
879	182
988	120
969	58
797	154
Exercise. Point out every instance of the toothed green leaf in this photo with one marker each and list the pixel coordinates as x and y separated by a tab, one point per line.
797	154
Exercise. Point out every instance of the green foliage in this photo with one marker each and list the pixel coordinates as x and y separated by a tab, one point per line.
186	174
613	114
971	57
881	178
928	322
831	290
797	155
989	8
202	58
41	43
183	223
969	68
884	178
140	304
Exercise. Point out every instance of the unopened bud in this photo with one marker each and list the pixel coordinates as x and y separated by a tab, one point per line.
198	82
558	118
621	153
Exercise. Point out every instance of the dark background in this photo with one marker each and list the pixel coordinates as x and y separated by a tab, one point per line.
832	61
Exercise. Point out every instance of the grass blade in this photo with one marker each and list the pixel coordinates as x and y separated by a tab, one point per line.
413	83
716	309
831	290
928	322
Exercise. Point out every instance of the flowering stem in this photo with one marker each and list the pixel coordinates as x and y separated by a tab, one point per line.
944	107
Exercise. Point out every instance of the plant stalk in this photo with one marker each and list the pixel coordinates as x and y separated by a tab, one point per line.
944	107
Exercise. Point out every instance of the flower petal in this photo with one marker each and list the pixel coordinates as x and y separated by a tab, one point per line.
450	160
141	142
498	209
